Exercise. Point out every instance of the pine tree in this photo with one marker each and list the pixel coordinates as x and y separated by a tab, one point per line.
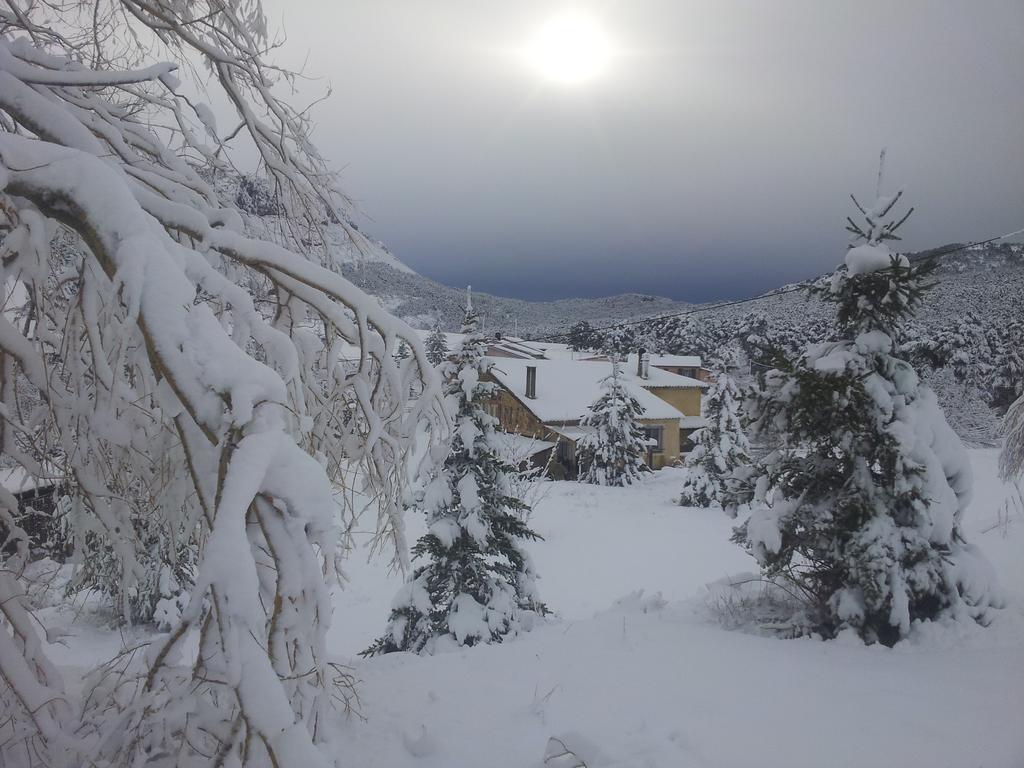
1011	459
720	448
612	453
860	509
437	346
1008	371
471	319
582	336
476	583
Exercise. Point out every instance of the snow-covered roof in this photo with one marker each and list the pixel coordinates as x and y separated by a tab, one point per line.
693	422
681	361
554	351
567	388
656	377
574	433
512	347
519	447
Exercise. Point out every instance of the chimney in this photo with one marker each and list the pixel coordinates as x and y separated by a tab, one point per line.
643	363
531	382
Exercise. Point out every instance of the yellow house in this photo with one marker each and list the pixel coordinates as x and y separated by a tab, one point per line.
545	400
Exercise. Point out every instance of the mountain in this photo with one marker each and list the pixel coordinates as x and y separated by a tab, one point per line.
418	300
421	301
986	280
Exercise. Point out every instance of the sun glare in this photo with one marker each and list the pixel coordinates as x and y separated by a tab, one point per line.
570	49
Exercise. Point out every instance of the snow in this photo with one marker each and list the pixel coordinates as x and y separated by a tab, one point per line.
567	388
18	480
518	448
676	361
647	686
631	679
868	258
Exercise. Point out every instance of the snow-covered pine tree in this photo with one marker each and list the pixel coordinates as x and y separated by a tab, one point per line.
1008	371
437	346
476	583
471	318
612	452
719	448
860	510
581	336
1011	459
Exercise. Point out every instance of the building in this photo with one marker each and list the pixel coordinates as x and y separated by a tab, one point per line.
37	513
545	400
681	365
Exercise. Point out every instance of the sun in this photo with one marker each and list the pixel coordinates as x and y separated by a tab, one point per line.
570	49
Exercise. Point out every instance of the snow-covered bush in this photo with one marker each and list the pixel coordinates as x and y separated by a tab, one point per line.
719	448
166	560
476	583
860	509
141	365
613	449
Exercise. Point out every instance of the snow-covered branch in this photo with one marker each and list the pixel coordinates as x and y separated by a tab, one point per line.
185	378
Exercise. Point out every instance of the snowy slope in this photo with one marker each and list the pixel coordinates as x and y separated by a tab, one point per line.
652	682
642	680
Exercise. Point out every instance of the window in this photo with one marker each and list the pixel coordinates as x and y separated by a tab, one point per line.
655	438
685	443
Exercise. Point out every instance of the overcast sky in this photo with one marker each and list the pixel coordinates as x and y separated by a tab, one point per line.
712	158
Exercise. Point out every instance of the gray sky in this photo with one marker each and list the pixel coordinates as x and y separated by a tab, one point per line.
712	158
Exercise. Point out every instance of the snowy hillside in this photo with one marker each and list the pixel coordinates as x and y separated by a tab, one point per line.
988	281
418	300
629	678
421	302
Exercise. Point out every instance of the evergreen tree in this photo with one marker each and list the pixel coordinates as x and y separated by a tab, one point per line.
1008	370
437	346
476	583
1011	460
860	509
582	336
618	341
402	353
613	452
720	448
471	319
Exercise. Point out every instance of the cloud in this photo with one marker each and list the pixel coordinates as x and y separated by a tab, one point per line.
714	159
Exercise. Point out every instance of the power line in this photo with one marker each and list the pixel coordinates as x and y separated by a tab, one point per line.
764	297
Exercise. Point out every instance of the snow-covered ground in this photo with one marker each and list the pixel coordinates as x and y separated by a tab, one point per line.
633	680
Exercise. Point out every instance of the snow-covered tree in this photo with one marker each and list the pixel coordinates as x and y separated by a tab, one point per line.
471	318
860	510
719	447
1008	369
582	336
1011	459
437	346
475	583
161	357
613	449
